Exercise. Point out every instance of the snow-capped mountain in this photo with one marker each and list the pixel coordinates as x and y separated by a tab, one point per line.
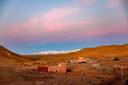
57	52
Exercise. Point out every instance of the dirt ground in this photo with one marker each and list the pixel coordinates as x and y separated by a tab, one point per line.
9	77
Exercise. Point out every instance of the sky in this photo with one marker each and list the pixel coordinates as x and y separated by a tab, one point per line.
28	26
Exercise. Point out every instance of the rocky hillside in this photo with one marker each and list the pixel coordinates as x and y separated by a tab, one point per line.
105	51
97	52
8	57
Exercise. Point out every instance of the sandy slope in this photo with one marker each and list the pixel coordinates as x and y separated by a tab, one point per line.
8	57
97	52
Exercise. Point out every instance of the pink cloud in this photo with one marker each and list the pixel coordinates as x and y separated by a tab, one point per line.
49	31
75	30
51	20
58	13
51	27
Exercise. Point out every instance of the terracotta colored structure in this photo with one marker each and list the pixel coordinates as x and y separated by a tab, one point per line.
42	69
52	68
62	67
121	71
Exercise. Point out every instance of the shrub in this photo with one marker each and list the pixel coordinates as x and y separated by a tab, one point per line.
115	59
68	70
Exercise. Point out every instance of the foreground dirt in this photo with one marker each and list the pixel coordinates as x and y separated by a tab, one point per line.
10	77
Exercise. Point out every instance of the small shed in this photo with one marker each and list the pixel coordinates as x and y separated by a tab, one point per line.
121	70
53	68
62	67
42	69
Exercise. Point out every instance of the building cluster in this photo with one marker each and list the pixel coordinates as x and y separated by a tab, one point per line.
121	70
82	60
60	68
80	65
118	68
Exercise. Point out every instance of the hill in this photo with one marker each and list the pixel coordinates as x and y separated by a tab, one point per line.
99	52
96	52
8	57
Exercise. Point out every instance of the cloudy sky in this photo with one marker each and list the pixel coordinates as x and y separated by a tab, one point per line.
28	26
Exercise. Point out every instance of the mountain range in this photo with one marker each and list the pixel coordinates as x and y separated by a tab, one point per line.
7	56
56	52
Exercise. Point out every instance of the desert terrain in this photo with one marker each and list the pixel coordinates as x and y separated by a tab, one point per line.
102	65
